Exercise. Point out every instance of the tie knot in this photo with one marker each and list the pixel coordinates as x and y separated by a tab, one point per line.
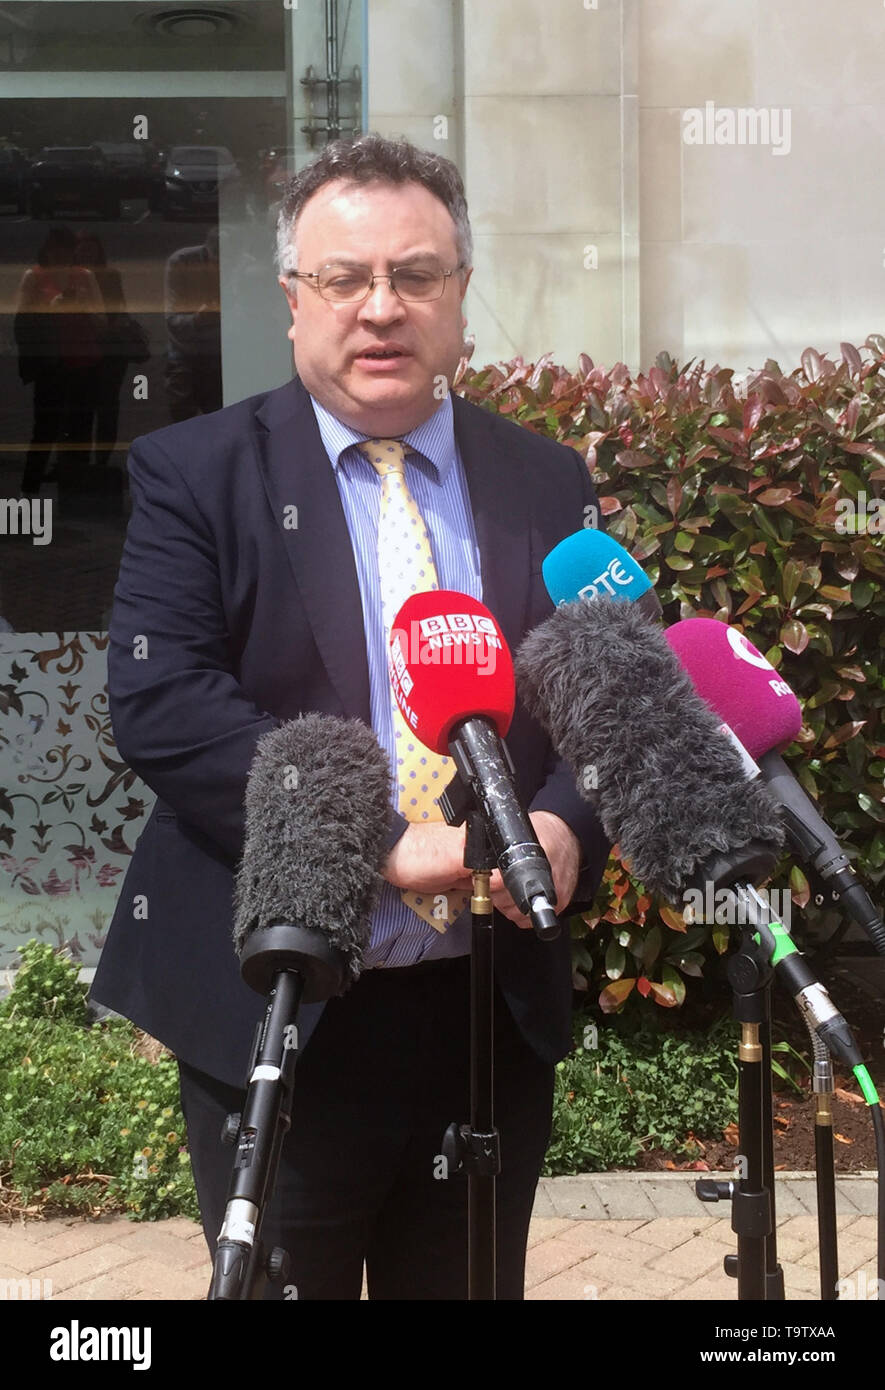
386	455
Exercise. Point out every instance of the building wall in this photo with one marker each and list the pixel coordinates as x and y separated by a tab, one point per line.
747	254
568	125
538	107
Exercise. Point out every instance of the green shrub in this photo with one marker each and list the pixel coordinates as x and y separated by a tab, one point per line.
47	986
734	499
86	1122
622	1095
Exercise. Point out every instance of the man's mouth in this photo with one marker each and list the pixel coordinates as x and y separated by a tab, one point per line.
383	353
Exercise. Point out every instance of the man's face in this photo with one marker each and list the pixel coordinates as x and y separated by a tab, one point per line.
382	226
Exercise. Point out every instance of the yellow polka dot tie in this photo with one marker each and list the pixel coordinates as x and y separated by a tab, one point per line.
405	566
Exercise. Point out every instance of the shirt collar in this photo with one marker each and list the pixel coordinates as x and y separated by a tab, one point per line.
434	439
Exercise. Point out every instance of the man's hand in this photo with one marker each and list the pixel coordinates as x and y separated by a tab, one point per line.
562	848
428	858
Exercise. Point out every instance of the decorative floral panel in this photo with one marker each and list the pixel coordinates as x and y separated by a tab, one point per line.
70	810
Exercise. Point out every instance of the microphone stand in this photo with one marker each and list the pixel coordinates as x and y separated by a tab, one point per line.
755	1266
825	1171
289	964
473	1150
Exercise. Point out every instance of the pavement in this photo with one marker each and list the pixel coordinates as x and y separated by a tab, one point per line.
606	1236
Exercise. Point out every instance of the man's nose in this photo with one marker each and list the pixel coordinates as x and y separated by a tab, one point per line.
381	304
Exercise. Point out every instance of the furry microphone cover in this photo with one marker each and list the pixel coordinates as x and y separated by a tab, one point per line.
317	807
670	788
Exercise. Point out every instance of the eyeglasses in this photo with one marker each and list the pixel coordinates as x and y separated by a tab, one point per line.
349	284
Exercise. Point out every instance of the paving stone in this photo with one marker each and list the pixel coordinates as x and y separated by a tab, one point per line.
73	1239
547	1259
678	1198
543	1205
152	1240
802	1192
860	1227
620	1294
669	1232
34	1231
157	1280
622	1228
113	1286
862	1193
588	1238
624	1199
101	1258
600	1271
693	1258
853	1254
180	1226
786	1203
795	1248
714	1287
799	1280
802	1227
20	1254
542	1228
577	1199
571	1285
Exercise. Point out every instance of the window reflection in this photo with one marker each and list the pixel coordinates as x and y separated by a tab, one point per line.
110	311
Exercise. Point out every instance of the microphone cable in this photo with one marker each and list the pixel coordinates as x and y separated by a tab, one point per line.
824	1021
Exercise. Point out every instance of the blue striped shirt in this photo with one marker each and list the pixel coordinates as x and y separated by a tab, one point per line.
435	478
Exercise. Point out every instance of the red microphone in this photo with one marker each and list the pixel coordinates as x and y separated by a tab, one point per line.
448	660
452	678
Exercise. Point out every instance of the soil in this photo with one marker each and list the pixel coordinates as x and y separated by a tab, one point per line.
854	1147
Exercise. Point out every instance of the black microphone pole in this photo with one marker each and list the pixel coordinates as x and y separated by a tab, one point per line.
473	1150
288	963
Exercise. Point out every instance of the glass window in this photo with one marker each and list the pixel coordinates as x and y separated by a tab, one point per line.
144	149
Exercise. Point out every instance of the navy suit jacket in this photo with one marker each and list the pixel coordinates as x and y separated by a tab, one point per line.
229	619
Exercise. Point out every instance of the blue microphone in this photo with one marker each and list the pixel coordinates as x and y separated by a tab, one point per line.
589	565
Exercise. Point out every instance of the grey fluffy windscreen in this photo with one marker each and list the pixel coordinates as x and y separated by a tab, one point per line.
669	787
317	806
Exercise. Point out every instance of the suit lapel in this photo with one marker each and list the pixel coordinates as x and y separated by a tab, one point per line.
296	472
499	500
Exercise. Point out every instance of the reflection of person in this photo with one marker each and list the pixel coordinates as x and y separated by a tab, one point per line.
102	403
253	623
58	325
193	326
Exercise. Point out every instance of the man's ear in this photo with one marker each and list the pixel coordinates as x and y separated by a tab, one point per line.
465	282
292	301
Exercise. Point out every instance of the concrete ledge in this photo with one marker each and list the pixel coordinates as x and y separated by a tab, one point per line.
649	1196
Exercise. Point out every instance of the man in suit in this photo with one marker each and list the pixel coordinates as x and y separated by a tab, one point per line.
254	586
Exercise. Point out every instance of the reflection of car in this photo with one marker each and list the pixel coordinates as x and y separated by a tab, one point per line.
129	168
71	178
193	178
13	177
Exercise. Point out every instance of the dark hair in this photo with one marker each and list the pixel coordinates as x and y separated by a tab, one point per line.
367	159
57	239
87	239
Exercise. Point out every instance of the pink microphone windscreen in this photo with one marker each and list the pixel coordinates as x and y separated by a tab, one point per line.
738	683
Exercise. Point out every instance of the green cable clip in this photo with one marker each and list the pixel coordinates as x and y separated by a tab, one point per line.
866	1084
781	944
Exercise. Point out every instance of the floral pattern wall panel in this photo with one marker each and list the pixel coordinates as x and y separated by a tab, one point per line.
70	809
